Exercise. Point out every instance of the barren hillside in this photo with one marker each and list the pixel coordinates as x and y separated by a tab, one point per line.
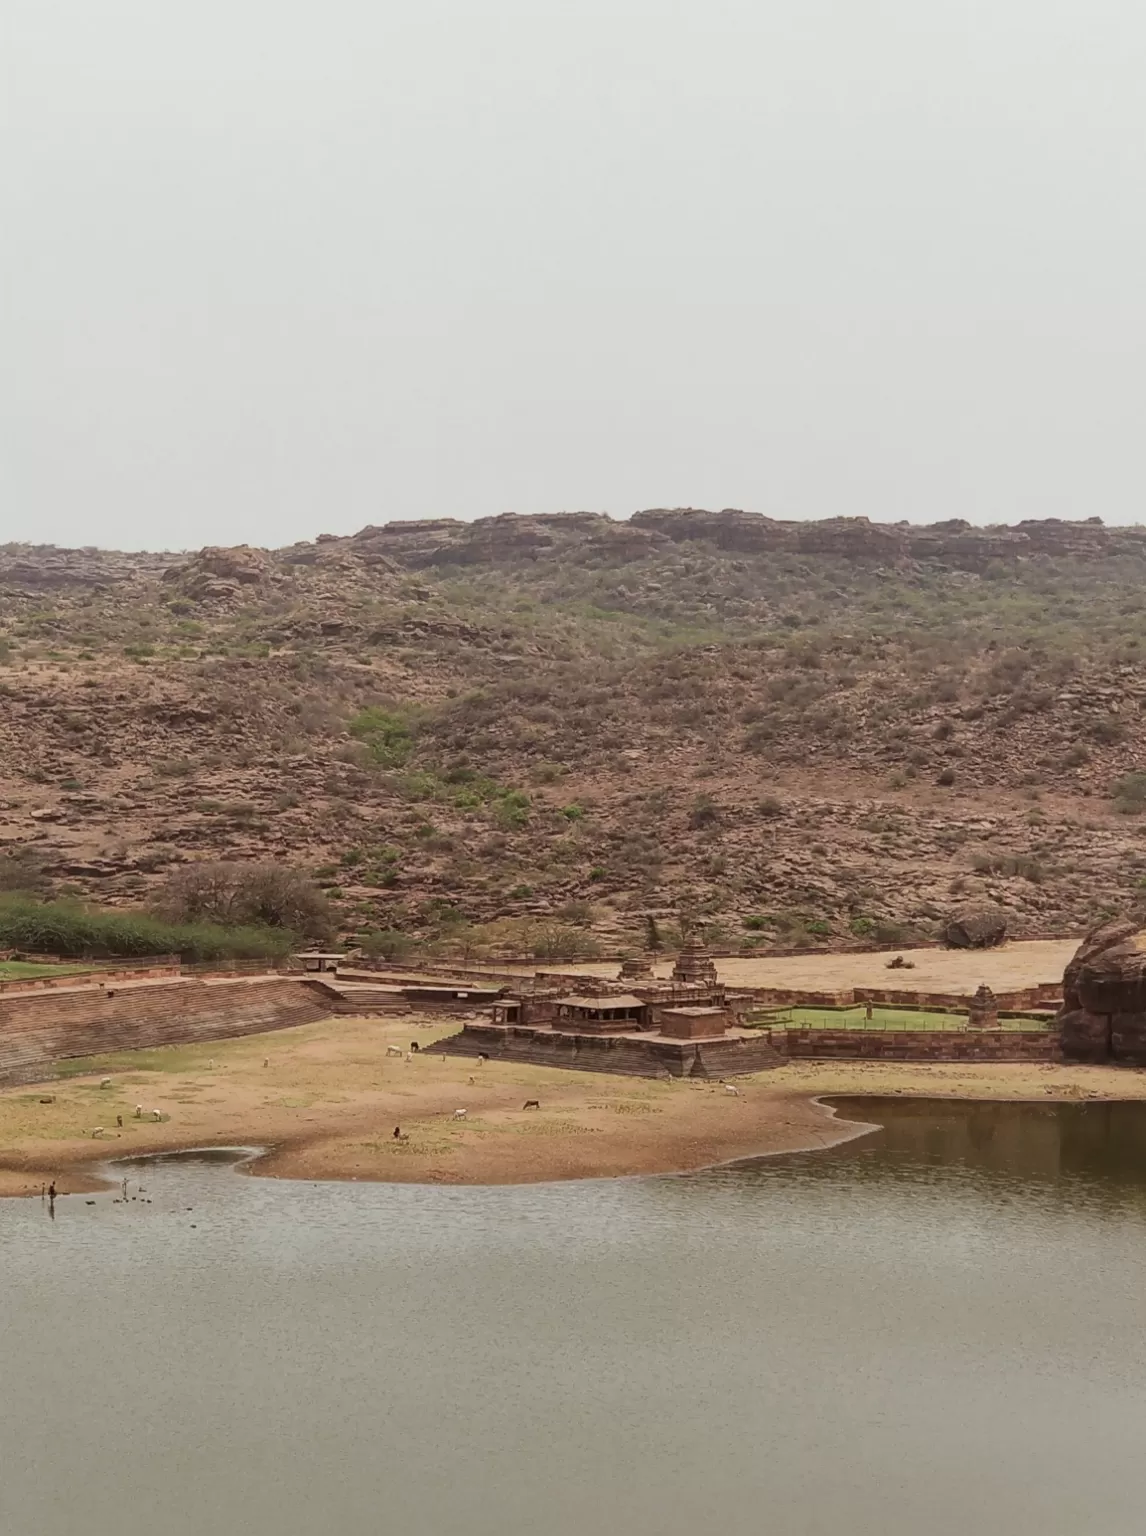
797	732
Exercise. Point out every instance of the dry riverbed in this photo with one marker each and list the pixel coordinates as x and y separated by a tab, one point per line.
325	1100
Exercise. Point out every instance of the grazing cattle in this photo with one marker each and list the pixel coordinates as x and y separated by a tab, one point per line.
98	1132
482	1058
471	1079
157	1114
415	1047
459	1114
729	1088
393	1050
532	1104
105	1082
139	1111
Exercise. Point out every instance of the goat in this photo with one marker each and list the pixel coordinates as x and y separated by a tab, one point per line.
393	1050
459	1114
98	1132
731	1088
139	1111
157	1114
471	1079
105	1082
532	1104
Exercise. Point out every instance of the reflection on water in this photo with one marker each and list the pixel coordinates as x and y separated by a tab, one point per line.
933	1328
1100	1146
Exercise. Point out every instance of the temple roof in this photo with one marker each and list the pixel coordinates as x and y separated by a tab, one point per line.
603	1000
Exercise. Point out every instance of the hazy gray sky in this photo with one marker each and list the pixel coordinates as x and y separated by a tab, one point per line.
274	267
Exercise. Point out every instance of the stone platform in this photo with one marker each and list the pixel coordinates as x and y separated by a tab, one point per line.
638	1054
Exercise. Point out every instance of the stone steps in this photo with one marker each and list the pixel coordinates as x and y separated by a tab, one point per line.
37	1031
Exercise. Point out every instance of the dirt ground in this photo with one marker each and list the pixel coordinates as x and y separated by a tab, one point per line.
325	1100
1024	964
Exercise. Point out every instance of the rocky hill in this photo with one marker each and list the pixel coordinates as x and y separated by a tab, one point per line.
796	732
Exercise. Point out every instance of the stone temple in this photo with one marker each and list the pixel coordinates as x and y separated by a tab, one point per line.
687	1026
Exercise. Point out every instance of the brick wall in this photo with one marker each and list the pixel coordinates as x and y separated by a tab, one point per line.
39	1029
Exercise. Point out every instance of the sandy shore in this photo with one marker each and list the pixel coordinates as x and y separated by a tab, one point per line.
328	1099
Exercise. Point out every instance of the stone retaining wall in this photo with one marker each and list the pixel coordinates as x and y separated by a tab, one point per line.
37	1030
918	1045
1021	999
102	976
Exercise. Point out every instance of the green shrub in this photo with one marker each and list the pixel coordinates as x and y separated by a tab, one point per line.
386	735
1129	794
386	944
512	809
71	929
1109	730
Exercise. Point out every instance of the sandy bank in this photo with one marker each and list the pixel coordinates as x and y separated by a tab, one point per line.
329	1097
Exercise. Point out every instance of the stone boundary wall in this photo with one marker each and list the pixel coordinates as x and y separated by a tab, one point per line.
1020	1000
917	1045
37	1030
95	978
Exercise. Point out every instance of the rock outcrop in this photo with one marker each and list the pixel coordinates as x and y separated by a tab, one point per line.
982	929
216	573
1103	1015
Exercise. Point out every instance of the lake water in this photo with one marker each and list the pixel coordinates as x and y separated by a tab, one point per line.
936	1329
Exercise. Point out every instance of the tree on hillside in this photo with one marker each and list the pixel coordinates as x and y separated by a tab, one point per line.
21	871
266	894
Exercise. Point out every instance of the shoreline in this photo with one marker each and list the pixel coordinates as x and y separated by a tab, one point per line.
325	1099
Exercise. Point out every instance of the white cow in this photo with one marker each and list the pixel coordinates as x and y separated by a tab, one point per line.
105	1082
157	1114
731	1088
393	1050
459	1114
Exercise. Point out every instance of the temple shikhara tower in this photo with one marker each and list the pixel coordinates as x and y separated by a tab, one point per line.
694	967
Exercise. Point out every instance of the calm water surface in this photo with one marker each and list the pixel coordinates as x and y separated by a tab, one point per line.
936	1329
